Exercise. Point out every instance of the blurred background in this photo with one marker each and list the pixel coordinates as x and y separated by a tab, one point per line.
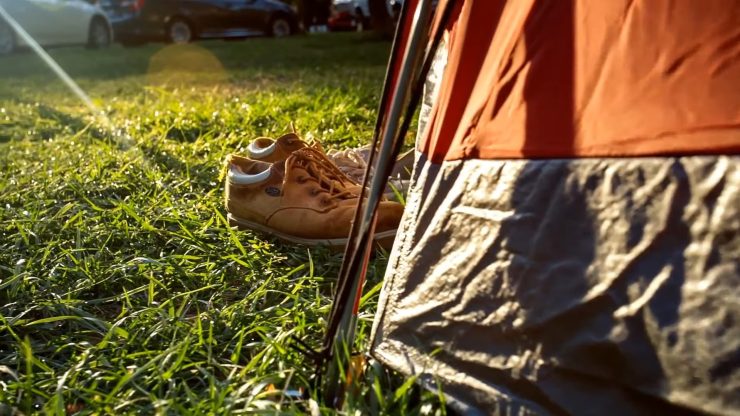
108	48
98	23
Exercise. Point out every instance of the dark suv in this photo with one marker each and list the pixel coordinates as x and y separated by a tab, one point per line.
180	21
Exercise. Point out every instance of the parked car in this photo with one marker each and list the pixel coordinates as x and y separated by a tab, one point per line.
55	22
182	21
355	14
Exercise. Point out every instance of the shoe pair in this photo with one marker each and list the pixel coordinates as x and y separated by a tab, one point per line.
352	162
292	190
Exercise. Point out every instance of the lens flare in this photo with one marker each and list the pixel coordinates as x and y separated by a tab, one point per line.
183	64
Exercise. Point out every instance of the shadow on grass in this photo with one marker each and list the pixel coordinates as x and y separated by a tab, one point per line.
36	121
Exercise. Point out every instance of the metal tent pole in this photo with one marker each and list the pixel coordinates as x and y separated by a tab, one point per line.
392	128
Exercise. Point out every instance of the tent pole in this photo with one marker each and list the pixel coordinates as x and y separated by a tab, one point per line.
344	287
379	123
340	336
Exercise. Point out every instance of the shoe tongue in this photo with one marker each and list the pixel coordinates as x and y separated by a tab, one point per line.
291	139
315	163
278	170
303	162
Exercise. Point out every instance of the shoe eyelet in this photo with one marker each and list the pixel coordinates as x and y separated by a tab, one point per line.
301	179
273	191
314	192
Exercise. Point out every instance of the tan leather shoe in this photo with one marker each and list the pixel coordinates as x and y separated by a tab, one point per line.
305	200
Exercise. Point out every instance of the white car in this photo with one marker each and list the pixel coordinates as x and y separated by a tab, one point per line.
55	22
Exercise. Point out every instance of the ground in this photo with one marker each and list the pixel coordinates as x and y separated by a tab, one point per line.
122	288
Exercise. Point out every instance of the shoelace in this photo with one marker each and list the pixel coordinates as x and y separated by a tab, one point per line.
309	142
323	171
350	157
315	144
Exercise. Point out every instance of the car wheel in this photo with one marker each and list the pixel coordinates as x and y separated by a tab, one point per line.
280	27
99	35
180	31
7	39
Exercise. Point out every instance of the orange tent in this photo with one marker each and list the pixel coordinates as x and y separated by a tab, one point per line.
572	233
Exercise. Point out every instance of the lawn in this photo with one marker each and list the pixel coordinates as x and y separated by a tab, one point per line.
122	288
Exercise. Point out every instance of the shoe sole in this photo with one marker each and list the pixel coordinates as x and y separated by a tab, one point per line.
383	239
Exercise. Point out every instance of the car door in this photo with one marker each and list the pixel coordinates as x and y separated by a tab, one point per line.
32	15
234	14
211	17
253	16
57	22
72	21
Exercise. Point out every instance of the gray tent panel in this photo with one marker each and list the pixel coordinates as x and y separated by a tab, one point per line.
584	286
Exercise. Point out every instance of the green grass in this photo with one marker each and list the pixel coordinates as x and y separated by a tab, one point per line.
122	289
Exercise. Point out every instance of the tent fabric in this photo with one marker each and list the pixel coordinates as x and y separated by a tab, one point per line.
538	79
431	87
571	238
571	286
